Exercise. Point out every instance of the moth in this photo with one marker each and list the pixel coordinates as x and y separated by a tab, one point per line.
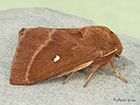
46	53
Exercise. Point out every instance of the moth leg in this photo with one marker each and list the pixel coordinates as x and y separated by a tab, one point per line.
68	78
93	69
114	68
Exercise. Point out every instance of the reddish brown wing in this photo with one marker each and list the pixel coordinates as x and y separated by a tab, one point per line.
37	49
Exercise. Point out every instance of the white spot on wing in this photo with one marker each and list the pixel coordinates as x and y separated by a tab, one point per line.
56	58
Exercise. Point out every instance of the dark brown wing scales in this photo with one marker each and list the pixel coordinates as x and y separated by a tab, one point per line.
101	38
62	45
37	49
27	46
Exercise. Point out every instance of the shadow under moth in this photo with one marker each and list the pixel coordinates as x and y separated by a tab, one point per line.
46	53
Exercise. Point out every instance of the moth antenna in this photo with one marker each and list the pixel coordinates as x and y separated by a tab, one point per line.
115	50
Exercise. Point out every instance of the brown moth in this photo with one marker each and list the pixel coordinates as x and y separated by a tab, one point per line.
46	53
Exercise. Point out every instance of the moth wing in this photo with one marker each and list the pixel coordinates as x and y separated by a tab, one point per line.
35	57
